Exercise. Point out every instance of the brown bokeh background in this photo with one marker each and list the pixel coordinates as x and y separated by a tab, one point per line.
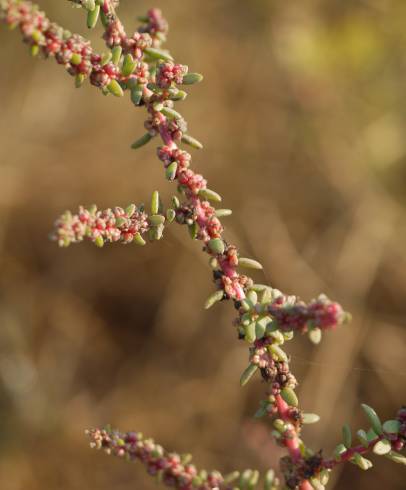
303	116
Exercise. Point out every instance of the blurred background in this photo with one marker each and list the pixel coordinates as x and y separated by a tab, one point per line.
303	117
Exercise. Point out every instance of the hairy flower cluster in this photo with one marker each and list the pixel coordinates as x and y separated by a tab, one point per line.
170	468
320	313
169	73
156	25
110	225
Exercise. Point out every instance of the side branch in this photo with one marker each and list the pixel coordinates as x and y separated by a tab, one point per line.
172	469
112	225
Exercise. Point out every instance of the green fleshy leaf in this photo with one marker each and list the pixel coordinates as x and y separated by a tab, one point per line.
269	480
324	476
338	451
158	54
116	53
315	335
382	447
310	418
79	79
253	481
115	88
248	374
210	195
279	425
249	263
156	232
222	213
250	333
216	245
231	477
252	297
93	17
170	113
143	18
34	50
120	221
156	219
260	329
290	397
193	142
139	240
362	436
136	95
157	106
279	353
193	230
262	410
146	138
171	170
155	202
170	215
89	4
391	426
396	457
106	58
347	437
373	418
179	95
244	479
104	19
260	326
175	202
316	484
371	435
192	78
363	463
277	335
129	65
130	210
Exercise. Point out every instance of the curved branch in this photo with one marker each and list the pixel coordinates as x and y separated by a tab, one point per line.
266	318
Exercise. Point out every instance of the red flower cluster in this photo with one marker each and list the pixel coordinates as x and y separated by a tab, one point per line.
156	25
291	314
110	225
169	73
